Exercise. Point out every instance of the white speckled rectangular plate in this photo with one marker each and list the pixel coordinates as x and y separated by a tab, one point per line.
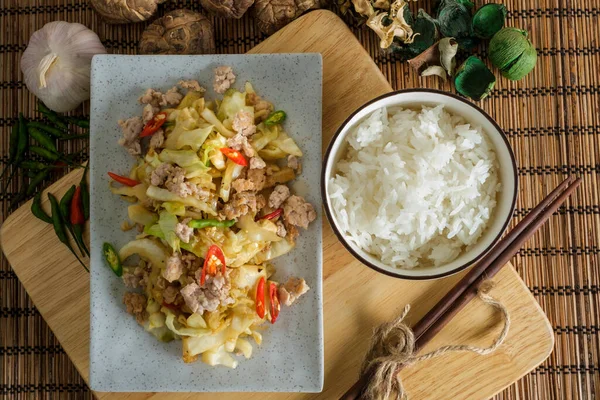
123	357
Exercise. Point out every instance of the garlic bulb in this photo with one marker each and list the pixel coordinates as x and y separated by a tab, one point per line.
56	64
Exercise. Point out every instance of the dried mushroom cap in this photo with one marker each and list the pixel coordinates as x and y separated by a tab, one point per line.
125	11
179	32
227	8
273	15
398	28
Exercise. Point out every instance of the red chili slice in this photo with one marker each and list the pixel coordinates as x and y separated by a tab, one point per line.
154	124
123	180
272	215
213	256
234	156
275	304
260	298
76	216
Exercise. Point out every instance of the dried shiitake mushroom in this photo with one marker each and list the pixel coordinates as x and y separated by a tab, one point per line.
272	15
179	32
227	8
125	11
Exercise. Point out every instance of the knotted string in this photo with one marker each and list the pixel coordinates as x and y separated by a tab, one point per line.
393	345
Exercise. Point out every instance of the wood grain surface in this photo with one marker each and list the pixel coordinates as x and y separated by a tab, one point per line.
355	298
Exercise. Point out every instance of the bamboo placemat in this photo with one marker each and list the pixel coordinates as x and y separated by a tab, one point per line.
552	118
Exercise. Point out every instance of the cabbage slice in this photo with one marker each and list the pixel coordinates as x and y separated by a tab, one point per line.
189	99
258	231
243	318
173	208
181	330
211	118
168	223
148	249
141	215
183	158
219	356
233	102
194	138
287	144
232	171
212	151
138	191
275	250
264	135
160	194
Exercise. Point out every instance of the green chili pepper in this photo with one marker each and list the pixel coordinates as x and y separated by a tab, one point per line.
37	179
23	140
12	151
52	116
14	142
34	165
56	132
78	235
81	122
204	223
43	139
37	165
65	204
112	258
38	211
276	117
82	136
22	193
59	227
85	193
45	153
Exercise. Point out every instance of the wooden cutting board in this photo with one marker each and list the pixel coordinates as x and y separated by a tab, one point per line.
355	298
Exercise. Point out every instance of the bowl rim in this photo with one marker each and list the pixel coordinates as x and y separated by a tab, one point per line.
400	275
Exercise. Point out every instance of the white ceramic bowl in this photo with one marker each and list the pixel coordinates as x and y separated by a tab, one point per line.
471	113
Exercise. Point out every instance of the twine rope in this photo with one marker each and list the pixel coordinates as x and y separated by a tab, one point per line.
393	345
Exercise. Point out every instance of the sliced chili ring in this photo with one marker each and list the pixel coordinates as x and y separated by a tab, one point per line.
123	180
260	298
213	255
234	156
154	124
112	258
275	304
272	215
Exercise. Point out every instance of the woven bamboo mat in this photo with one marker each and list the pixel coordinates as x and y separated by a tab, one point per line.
552	118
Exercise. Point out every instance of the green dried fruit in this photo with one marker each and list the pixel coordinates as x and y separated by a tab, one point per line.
454	20
512	53
474	79
488	20
425	33
468	43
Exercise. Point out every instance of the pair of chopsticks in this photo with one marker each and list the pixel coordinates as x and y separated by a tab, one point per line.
466	289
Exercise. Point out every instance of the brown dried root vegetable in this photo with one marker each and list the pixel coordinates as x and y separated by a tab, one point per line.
179	32
438	60
125	11
273	15
227	8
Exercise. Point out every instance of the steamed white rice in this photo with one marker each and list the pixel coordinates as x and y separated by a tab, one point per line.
416	187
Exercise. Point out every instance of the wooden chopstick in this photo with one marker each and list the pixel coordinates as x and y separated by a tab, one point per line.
480	268
466	289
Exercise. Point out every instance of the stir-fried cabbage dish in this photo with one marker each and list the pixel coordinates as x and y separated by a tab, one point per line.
208	208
